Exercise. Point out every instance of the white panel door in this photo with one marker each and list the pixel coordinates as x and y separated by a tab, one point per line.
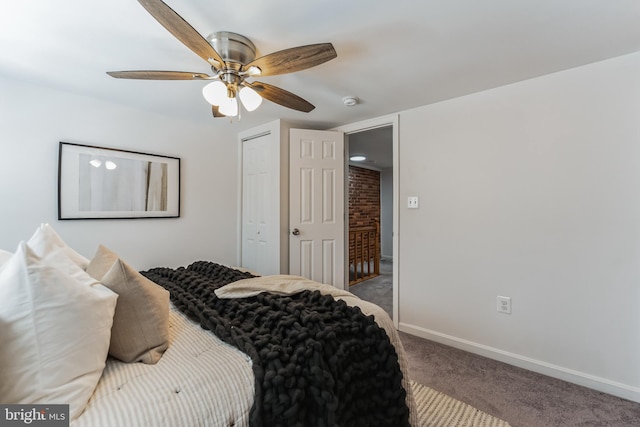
316	205
259	252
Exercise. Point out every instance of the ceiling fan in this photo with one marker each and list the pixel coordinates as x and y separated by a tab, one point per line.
232	58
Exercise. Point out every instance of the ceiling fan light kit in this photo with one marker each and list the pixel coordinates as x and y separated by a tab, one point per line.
215	92
250	98
232	58
229	107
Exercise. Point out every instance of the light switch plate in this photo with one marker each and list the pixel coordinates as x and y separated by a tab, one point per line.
412	202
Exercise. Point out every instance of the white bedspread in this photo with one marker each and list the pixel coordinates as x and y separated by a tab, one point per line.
200	380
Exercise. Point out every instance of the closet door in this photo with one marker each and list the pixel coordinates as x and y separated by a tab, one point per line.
260	246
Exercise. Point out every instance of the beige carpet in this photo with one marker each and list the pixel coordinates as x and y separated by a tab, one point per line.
436	409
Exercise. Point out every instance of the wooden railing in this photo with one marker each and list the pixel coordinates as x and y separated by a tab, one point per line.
364	253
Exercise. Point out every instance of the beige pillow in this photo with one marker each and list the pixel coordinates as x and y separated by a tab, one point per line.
140	330
101	262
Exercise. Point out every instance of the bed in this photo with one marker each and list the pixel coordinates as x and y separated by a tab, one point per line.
223	347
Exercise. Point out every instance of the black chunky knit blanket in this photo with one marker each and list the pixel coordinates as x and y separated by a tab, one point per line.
316	361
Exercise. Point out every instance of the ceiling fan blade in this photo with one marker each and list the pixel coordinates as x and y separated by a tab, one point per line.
215	110
280	96
183	31
293	59
158	75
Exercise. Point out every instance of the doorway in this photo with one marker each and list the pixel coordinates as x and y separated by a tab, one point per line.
370	212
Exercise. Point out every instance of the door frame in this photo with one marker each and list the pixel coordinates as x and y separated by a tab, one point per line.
389	120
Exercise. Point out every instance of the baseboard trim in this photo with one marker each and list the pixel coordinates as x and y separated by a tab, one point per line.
591	381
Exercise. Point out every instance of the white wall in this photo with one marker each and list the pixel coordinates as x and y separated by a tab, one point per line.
386	213
531	191
34	119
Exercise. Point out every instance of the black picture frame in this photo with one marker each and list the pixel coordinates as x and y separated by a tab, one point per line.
109	183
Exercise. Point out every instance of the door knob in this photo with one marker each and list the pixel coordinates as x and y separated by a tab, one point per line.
295	232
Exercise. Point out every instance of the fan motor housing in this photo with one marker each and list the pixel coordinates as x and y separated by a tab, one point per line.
233	47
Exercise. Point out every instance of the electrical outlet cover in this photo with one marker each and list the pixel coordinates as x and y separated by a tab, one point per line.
504	305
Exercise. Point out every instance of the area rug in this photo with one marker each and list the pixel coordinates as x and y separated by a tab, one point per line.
436	409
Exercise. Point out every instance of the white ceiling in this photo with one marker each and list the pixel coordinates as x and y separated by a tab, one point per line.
376	145
393	55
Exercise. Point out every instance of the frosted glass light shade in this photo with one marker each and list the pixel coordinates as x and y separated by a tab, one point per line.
250	98
229	107
215	93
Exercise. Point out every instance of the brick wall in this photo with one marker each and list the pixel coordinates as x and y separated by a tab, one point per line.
364	197
364	200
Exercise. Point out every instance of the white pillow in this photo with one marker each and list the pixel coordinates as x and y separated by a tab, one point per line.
55	328
4	257
46	239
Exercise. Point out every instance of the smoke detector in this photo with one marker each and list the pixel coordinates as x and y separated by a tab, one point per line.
350	101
